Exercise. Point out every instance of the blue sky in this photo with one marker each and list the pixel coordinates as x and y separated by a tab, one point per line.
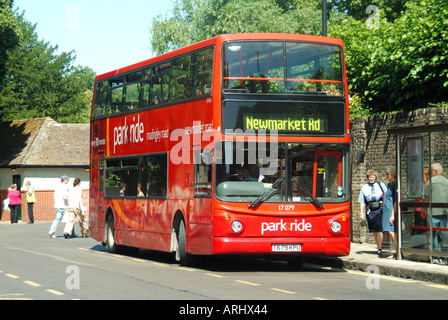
106	34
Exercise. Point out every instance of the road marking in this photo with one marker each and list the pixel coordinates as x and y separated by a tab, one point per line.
214	275
318	298
160	264
186	269
55	292
381	276
138	260
437	286
248	283
13	296
12	276
33	284
396	279
284	291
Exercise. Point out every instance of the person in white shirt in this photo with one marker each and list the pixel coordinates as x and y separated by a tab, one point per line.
371	207
74	211
60	204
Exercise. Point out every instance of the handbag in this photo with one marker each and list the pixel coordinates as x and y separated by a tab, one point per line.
374	205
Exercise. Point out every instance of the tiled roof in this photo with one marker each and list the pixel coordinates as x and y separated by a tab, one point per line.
43	142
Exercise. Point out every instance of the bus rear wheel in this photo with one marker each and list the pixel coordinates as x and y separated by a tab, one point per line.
186	259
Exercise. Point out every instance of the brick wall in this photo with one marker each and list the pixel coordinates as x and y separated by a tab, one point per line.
369	134
43	208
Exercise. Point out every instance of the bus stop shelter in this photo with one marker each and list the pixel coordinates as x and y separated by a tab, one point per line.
422	193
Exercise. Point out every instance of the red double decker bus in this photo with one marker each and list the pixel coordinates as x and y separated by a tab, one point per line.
236	145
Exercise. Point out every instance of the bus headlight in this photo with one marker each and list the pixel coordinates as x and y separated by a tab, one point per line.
237	226
335	226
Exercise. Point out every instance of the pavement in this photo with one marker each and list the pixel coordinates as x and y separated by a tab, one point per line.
363	255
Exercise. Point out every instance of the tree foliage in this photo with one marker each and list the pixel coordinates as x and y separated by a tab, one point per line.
39	82
195	20
9	36
396	50
391	9
403	64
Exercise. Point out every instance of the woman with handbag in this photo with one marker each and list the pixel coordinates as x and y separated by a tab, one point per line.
371	207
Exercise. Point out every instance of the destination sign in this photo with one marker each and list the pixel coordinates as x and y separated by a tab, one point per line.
285	123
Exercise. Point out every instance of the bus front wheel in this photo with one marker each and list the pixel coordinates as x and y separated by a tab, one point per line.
111	245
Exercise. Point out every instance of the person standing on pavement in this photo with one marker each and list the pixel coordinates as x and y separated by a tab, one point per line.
437	191
14	203
74	211
30	199
390	209
371	206
60	204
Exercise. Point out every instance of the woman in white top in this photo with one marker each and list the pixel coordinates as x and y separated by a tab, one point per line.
74	211
371	207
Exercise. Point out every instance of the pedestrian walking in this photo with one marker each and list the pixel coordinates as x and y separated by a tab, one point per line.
60	204
74	211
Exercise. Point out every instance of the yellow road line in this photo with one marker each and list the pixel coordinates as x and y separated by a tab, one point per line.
55	292
284	291
186	269
12	276
214	275
160	264
249	283
13	296
396	279
33	284
437	286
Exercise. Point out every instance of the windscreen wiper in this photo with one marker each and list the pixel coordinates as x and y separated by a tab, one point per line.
308	194
264	195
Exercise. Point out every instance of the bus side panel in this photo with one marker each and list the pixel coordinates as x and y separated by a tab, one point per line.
201	226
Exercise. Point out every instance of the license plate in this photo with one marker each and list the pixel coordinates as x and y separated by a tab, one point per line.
293	247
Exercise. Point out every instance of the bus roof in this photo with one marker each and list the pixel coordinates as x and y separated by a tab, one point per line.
219	40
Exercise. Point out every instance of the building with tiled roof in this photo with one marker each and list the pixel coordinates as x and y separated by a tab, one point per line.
41	151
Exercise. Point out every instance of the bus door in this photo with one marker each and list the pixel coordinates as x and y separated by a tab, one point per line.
327	174
202	211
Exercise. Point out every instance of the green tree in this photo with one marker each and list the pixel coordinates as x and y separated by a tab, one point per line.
403	64
195	20
392	9
396	52
9	37
39	82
